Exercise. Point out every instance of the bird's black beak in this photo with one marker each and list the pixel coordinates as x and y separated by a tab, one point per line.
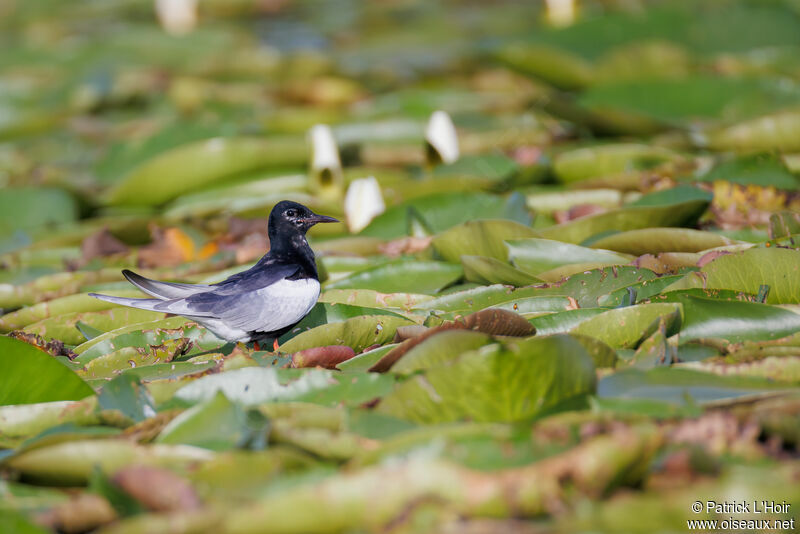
314	219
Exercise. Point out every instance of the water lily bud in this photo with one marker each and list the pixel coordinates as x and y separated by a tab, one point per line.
560	12
177	17
326	177
363	203
441	138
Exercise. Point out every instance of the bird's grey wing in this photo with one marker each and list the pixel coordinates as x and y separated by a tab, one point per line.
270	308
164	290
265	300
267	271
142	304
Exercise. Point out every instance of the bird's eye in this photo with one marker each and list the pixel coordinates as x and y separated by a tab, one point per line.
291	213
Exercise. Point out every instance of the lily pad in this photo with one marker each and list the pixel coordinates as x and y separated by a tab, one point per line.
412	276
747	271
31	375
627	327
534	374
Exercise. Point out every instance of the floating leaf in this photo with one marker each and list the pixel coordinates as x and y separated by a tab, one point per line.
216	424
72	463
126	395
747	271
485	270
534	374
681	386
655	240
479	238
196	164
33	376
626	327
563	321
357	333
256	385
60	306
402	275
735	321
442	211
539	255
582	163
627	218
64	327
441	348
27	208
328	357
372	298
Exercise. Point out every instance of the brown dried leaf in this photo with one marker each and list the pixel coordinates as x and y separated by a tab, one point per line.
159	490
407	332
405	245
327	357
170	247
102	244
81	513
498	322
54	348
490	321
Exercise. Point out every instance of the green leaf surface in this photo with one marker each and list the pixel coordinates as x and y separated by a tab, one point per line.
681	386
626	327
535	255
251	386
530	375
411	276
747	271
626	218
655	240
735	321
126	395
190	166
483	270
480	238
441	212
33	376
357	333
65	327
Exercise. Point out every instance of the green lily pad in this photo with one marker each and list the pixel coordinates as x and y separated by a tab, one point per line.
747	271
655	240
442	211
439	349
357	333
251	386
64	327
485	270
735	321
190	166
534	374
681	386
30	375
412	276
627	218
216	424
480	238
563	321
536	256
582	163
626	327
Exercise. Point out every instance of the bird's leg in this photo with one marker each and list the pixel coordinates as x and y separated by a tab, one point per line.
275	345
256	346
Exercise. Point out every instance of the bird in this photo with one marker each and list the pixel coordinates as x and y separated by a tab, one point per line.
258	304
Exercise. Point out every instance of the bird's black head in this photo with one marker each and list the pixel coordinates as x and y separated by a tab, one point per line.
291	218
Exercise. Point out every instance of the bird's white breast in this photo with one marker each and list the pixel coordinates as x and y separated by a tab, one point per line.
286	302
